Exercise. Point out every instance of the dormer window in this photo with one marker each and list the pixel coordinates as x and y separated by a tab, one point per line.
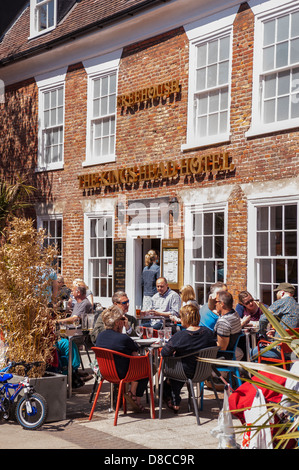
43	14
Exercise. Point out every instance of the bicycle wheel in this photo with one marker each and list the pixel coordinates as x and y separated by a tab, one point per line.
36	417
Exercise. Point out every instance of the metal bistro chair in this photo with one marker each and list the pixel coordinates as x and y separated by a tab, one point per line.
285	352
232	369
172	367
139	368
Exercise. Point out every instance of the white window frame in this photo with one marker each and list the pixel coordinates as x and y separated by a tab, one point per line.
206	30
97	68
264	12
48	83
40	224
190	210
253	259
105	301
35	7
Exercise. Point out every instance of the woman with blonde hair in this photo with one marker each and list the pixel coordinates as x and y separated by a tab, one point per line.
188	296
192	339
150	274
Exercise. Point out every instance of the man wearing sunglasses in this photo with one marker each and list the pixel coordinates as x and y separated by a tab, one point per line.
120	299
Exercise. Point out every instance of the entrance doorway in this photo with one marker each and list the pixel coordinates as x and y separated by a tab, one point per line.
142	246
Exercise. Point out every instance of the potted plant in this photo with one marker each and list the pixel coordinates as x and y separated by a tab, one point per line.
27	319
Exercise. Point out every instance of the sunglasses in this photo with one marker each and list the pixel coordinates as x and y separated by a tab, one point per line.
123	318
125	302
249	302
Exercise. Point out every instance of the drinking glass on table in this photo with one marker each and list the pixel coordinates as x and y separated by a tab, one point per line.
139	331
167	333
161	336
149	332
138	311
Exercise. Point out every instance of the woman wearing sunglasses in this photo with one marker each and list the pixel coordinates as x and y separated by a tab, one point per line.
113	339
247	308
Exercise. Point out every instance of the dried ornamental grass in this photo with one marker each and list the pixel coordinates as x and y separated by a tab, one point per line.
26	320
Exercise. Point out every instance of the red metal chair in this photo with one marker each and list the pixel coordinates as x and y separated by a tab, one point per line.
284	351
139	368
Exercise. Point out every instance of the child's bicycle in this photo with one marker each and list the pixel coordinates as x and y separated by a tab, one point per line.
30	409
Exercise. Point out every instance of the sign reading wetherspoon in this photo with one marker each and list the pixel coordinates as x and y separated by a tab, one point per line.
213	163
144	94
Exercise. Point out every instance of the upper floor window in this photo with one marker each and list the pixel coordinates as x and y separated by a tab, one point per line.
209	81
276	72
51	120
102	123
101	108
42	16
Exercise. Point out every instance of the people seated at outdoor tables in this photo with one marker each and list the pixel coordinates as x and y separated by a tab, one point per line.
192	339
286	310
228	326
120	299
248	309
72	299
208	314
113	339
165	303
81	306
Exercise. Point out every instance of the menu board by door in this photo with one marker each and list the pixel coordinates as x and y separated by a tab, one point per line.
119	268
172	262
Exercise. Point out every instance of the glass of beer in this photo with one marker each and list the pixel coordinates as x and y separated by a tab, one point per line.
138	311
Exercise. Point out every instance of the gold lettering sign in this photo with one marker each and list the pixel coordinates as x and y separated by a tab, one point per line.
163	90
212	163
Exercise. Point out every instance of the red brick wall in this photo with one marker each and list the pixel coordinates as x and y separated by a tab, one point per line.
151	134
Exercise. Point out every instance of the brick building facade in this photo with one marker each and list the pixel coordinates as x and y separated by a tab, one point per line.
169	125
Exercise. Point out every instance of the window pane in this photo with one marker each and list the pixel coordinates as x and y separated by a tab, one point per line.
212	76
275	244
283	28
223	73
268	58
265	270
294	51
201	79
295	24
208	223
203	105
213	101
213	52
279	271
208	247
262	218
224	48
282	54
219	223
270	86
291	244
201	55
219	247
210	272
262	244
282	108
199	271
290	217
284	83
269	32
213	124
276	218
269	111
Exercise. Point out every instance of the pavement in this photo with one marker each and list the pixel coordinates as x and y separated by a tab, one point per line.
135	433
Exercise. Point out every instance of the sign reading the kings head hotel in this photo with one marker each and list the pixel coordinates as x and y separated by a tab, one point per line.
212	163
